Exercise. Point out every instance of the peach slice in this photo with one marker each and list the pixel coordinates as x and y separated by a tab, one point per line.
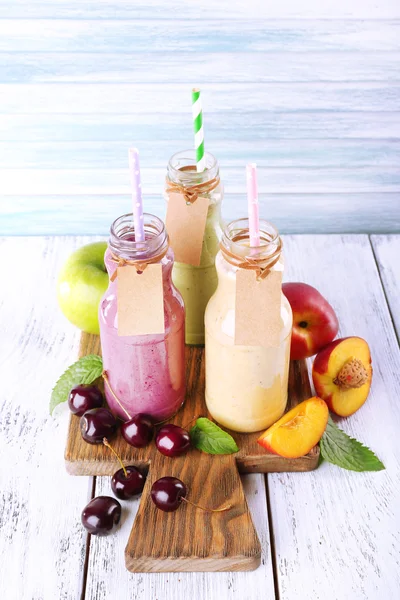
342	375
298	430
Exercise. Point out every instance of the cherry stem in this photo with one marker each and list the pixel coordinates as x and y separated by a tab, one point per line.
107	381
224	508
107	443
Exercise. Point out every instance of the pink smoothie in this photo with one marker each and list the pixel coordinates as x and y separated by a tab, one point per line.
147	373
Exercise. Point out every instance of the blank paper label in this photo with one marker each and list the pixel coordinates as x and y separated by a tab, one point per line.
186	224
140	301
258	309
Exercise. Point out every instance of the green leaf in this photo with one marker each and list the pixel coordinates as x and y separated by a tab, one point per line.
86	370
320	459
208	437
341	450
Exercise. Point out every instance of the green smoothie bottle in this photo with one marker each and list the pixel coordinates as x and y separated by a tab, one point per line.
197	283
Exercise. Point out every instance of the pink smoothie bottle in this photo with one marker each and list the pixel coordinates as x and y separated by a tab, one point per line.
145	372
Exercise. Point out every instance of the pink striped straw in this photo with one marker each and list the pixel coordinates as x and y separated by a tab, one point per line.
252	199
134	170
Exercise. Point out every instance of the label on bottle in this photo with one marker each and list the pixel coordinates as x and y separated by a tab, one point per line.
186	224
258	319
140	304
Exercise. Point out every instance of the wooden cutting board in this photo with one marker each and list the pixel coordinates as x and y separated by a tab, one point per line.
190	539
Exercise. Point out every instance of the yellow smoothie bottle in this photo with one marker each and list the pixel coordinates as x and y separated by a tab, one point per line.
197	283
246	385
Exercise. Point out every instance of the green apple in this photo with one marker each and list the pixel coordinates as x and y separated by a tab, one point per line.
81	285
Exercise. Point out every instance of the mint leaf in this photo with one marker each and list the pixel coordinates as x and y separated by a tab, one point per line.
86	370
208	437
346	452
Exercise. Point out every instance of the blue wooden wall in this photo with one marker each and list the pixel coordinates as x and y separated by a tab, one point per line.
309	90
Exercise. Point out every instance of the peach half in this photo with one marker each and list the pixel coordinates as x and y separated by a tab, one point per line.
342	374
299	430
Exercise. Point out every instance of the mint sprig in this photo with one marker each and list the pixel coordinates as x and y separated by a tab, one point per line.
85	370
346	452
208	437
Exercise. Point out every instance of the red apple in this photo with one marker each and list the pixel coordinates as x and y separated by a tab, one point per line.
315	323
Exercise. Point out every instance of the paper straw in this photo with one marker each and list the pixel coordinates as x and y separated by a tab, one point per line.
134	170
252	199
198	130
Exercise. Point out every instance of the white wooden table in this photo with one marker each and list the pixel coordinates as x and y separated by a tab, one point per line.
329	534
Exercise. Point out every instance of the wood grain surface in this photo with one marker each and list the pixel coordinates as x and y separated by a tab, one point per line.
387	254
368	10
219	541
330	533
331	212
191	539
42	544
165	68
310	91
336	531
91	459
107	570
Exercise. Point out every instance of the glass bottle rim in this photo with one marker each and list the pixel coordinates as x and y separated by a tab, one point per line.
236	239
123	244
182	168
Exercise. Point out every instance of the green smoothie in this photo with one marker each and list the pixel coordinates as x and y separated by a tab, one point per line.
198	284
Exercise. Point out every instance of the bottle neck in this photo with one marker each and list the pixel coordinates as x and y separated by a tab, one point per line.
122	243
124	249
236	254
236	249
167	263
181	169
182	177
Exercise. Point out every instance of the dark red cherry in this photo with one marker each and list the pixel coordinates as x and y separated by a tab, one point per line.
101	516
172	440
127	486
167	493
138	431
84	397
96	424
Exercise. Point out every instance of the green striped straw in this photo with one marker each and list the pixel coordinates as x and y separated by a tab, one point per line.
198	130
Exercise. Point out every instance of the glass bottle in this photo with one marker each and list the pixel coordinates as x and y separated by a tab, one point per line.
246	386
197	284
145	372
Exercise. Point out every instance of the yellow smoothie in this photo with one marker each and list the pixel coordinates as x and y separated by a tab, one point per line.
246	386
